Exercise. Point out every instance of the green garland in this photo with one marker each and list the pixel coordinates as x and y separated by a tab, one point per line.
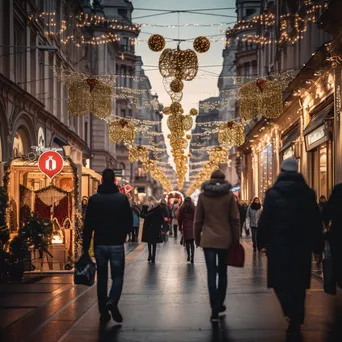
51	186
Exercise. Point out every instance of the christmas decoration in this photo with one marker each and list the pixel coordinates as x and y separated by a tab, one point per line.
177	85
231	134
193	112
156	42
201	44
121	131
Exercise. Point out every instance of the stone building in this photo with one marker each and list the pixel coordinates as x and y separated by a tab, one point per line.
309	127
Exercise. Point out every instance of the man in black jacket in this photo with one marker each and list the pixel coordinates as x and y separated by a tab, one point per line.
290	228
109	215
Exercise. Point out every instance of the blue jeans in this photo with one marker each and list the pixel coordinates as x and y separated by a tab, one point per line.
217	294
115	255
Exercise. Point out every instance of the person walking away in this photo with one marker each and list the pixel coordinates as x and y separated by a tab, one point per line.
186	227
166	219
216	227
243	214
136	222
175	211
332	218
153	222
322	203
109	216
252	217
290	228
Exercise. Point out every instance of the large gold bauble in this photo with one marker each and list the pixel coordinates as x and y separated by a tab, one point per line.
231	134
121	131
201	44
176	85
156	42
174	122
181	64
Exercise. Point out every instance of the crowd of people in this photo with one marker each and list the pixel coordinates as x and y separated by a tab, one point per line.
288	225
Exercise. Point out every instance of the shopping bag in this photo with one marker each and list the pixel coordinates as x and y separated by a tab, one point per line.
85	270
328	271
236	255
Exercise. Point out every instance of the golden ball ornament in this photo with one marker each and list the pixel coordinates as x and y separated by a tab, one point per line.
188	136
187	122
166	110
176	85
176	107
193	112
156	42
201	44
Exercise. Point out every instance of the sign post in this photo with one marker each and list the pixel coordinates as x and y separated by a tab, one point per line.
50	163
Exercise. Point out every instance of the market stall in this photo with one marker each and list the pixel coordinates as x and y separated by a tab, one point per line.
30	192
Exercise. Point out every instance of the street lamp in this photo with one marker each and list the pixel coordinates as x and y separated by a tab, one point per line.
50	48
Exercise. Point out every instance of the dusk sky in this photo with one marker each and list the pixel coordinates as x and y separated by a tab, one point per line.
205	84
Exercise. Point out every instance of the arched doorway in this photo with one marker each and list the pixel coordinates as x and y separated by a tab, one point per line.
21	142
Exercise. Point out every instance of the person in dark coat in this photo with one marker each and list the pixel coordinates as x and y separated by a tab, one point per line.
186	226
332	217
152	228
290	228
109	216
322	203
243	212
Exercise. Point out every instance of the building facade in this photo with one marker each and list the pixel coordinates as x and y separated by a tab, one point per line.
308	128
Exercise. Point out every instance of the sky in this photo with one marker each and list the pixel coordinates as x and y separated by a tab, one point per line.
205	83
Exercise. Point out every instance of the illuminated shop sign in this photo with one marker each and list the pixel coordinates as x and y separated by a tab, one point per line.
288	153
316	135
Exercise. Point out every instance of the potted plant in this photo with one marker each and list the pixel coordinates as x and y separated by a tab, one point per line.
18	253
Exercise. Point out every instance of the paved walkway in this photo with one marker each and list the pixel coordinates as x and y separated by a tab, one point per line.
168	301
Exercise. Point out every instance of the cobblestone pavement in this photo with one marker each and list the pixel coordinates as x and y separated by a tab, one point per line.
168	301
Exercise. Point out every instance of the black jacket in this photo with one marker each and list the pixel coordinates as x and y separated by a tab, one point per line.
109	215
153	223
290	227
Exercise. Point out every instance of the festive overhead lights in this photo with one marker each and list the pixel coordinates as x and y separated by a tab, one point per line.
156	43
176	85
231	134
193	112
166	110
201	44
121	131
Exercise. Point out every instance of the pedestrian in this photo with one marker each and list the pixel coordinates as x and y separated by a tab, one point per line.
217	226
152	213
84	206
109	216
252	219
175	212
166	219
332	218
136	222
243	212
290	228
322	203
186	227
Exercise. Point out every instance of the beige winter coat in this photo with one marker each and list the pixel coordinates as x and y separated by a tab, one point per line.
217	220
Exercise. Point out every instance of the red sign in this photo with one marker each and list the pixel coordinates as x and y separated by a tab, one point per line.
50	163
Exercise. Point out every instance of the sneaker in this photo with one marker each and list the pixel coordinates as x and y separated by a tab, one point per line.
105	317
214	316
223	308
116	315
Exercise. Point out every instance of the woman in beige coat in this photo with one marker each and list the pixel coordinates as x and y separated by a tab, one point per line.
216	227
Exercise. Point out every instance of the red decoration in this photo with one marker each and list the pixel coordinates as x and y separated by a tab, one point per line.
261	84
50	163
92	82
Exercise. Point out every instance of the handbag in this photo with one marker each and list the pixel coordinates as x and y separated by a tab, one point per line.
85	270
328	271
236	255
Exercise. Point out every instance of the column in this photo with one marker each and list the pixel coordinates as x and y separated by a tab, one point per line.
338	127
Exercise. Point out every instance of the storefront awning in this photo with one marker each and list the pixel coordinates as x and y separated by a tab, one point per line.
319	117
290	137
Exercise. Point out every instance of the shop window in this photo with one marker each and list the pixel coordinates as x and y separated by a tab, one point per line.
18	145
323	176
